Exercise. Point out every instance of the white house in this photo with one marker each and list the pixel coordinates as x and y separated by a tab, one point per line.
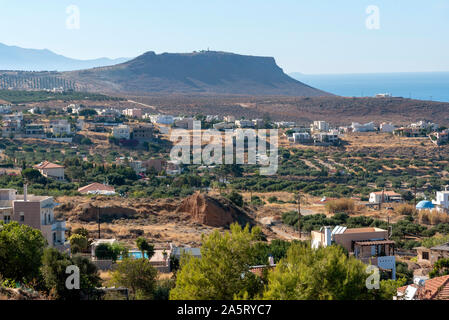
442	200
384	196
50	170
244	123
121	132
162	119
367	127
320	126
229	119
134	113
387	127
59	127
300	137
423	124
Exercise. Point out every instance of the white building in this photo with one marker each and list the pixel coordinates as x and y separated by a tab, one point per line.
301	137
229	119
59	127
320	126
5	109
387	127
134	113
244	123
383	95
384	196
442	200
285	124
326	138
223	126
424	125
162	119
121	132
367	127
258	123
50	170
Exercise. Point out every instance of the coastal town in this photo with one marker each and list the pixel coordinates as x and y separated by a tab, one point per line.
118	200
224	159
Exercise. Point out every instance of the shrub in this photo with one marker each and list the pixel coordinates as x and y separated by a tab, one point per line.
406	210
341	205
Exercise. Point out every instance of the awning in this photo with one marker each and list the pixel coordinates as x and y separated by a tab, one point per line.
373	243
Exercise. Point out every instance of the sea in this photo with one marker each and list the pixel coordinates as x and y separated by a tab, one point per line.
433	86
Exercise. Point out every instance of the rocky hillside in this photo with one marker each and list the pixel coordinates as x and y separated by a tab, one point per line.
205	72
214	212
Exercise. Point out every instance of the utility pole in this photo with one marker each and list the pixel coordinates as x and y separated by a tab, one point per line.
415	193
299	214
98	216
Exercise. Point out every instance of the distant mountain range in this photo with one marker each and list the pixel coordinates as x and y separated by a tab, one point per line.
205	72
16	58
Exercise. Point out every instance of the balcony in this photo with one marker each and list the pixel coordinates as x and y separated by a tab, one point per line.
58	225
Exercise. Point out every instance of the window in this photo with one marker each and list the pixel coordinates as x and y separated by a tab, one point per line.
6	219
22	217
425	256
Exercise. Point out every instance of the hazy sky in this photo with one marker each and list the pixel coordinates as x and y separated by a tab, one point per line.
314	36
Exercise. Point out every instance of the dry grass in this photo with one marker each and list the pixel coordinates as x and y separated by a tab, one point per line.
341	205
405	210
432	217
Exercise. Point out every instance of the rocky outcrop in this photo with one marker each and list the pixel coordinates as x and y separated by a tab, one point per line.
205	72
214	212
89	212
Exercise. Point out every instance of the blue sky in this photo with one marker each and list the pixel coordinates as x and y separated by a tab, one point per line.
315	36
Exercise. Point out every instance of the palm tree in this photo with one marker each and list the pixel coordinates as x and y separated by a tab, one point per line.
144	246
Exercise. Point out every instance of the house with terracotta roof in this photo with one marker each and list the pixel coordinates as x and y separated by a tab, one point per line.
384	196
370	245
97	188
50	170
432	289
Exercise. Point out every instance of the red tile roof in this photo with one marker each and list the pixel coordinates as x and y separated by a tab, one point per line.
47	165
433	289
387	193
95	187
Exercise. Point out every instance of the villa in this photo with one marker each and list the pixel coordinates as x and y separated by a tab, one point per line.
50	170
369	245
34	211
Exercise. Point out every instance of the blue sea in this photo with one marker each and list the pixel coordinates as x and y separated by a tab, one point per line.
420	85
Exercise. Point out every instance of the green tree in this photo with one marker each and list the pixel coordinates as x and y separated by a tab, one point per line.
236	198
222	273
440	268
105	251
322	274
78	243
31	174
53	270
138	275
145	247
82	231
21	249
